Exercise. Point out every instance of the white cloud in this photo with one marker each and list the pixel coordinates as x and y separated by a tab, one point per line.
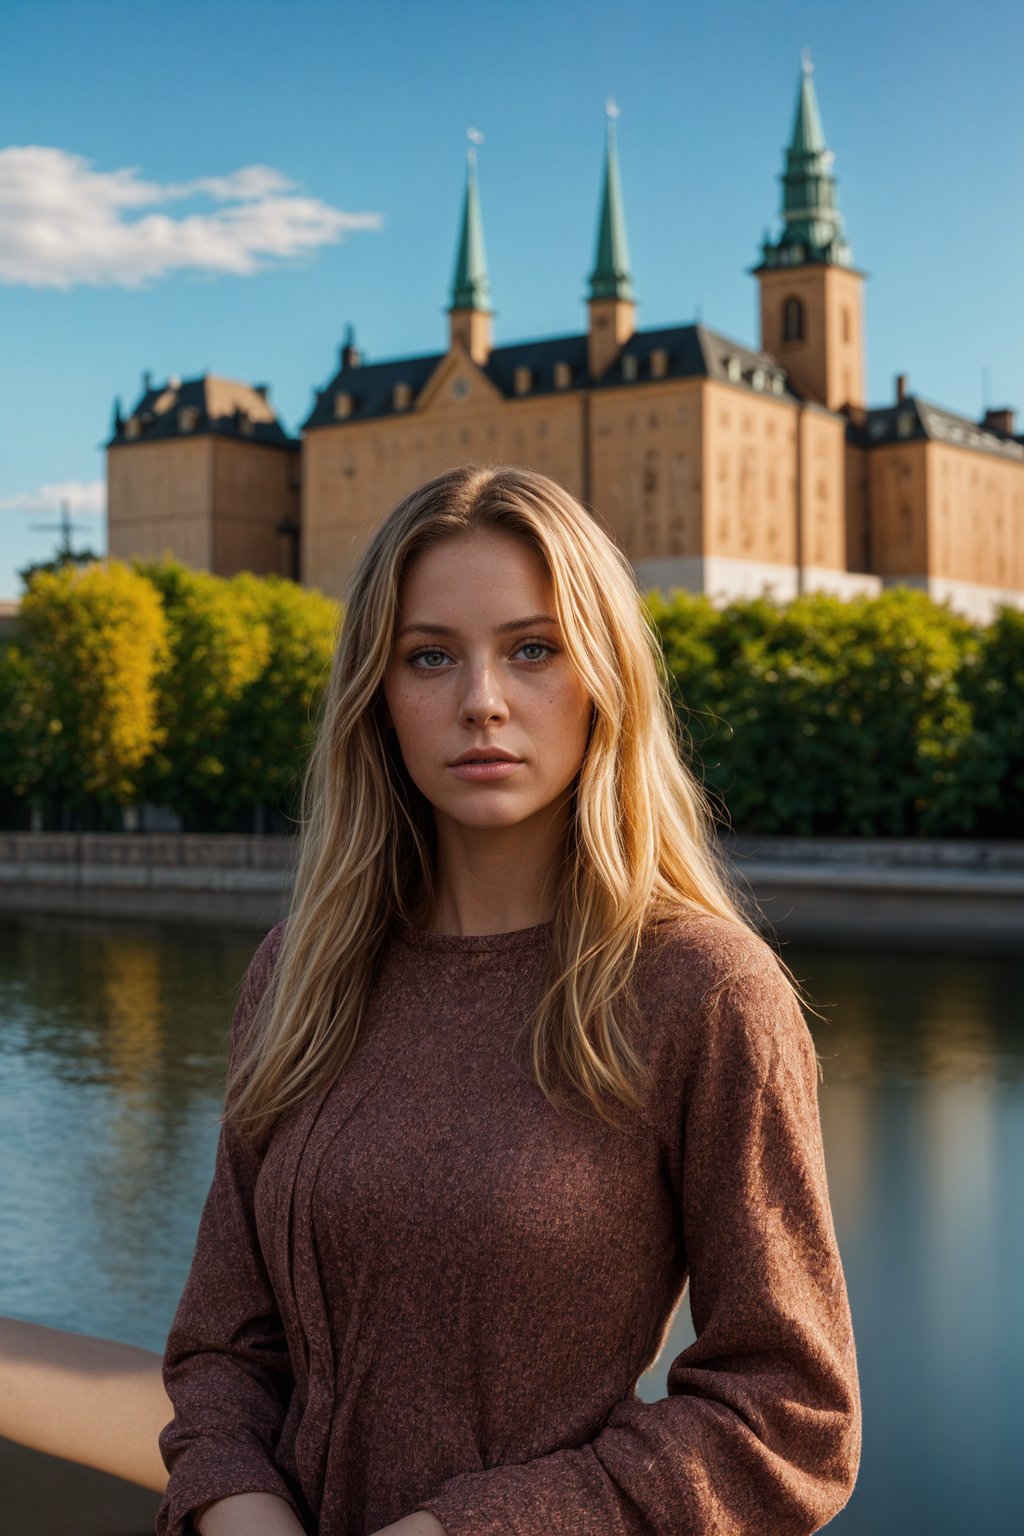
62	223
82	496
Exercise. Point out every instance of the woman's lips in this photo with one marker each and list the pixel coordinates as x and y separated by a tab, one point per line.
480	770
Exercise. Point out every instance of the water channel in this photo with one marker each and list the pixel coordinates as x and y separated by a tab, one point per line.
112	1039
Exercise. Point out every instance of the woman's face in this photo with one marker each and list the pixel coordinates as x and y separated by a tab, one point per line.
478	662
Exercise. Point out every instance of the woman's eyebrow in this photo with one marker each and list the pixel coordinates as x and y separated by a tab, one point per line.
499	629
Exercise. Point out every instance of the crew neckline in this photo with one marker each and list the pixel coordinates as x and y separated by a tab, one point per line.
512	938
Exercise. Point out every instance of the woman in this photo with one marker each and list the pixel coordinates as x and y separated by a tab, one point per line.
514	1070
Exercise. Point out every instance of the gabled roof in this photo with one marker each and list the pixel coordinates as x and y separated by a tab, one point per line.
914	418
692	351
197	407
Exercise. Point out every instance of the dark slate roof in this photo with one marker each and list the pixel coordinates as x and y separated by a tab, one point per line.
914	418
540	357
216	406
693	352
370	385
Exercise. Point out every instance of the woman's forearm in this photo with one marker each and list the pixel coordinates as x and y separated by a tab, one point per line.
247	1514
94	1401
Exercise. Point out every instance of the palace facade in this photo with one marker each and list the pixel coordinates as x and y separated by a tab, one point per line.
718	467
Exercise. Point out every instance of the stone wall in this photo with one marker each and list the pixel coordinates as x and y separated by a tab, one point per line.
824	890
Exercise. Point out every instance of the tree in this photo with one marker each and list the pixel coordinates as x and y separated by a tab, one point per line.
219	644
92	640
272	722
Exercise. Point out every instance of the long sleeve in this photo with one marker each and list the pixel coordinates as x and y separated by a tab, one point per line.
226	1366
761	1427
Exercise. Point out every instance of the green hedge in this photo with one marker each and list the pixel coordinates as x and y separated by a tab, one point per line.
888	716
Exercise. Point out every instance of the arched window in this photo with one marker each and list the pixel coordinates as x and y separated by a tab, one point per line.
793	320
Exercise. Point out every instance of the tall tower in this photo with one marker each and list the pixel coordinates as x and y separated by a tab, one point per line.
611	303
811	294
470	310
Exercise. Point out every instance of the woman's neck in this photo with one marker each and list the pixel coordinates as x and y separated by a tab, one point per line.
496	880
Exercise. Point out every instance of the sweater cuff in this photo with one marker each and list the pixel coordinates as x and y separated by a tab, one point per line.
562	1494
197	1481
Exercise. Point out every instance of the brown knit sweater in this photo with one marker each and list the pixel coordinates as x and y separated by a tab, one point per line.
434	1291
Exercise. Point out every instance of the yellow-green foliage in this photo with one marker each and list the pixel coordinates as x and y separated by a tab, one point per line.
218	646
887	716
248	659
837	717
91	639
272	720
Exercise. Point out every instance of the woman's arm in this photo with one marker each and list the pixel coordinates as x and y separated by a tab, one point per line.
97	1402
761	1427
247	1514
226	1366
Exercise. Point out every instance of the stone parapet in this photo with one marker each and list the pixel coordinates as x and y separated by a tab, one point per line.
890	891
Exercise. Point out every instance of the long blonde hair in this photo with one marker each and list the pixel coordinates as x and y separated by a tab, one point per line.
641	843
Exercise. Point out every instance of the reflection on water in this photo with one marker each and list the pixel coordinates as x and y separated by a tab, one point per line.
112	1042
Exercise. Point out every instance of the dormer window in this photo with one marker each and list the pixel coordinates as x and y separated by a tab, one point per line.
522	381
133	427
778	383
905	424
659	363
630	368
401	396
188	418
244	422
342	404
733	369
757	378
563	375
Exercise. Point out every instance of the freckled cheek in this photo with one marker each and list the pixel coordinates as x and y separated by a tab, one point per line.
565	726
412	716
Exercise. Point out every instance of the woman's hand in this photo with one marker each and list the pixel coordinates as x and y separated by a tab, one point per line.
419	1523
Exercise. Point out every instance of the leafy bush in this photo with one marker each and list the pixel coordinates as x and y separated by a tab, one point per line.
81	716
833	717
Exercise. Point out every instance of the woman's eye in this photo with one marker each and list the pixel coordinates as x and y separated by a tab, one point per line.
533	652
537	645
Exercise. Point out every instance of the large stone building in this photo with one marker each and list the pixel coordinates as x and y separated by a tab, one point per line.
719	468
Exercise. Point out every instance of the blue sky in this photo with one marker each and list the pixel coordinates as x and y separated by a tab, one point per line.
223	186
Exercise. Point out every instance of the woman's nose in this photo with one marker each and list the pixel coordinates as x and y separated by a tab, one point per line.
482	697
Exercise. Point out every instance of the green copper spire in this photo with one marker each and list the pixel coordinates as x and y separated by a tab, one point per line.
812	224
610	278
808	137
471	288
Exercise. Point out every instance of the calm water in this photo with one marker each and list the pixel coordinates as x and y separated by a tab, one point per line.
112	1039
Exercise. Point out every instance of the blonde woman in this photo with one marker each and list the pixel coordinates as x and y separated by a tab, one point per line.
514	1071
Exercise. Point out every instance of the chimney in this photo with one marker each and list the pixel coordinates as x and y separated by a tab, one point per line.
147	381
999	419
901	387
